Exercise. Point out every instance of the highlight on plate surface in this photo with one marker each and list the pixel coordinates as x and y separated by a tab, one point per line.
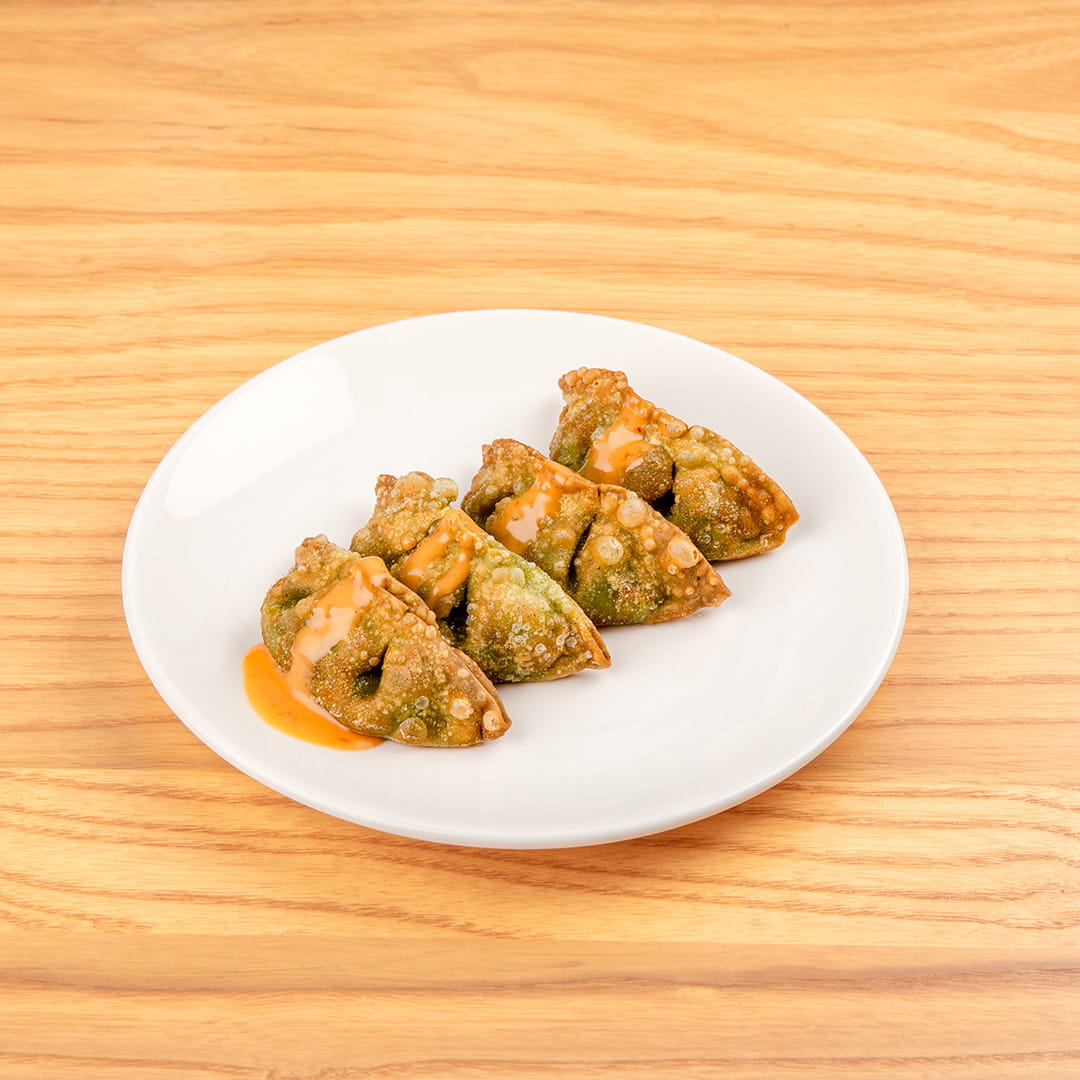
403	635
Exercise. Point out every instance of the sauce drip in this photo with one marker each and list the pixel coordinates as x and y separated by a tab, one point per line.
517	524
429	551
456	573
621	447
329	624
272	698
283	698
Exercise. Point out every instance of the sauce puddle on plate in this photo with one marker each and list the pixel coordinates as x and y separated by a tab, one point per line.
272	698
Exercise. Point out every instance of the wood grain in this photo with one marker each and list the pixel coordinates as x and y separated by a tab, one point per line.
876	202
581	1009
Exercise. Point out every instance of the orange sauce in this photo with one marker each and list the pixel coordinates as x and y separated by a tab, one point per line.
517	524
621	447
374	571
272	697
329	624
283	698
429	551
456	573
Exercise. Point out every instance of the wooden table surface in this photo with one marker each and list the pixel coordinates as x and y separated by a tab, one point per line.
875	202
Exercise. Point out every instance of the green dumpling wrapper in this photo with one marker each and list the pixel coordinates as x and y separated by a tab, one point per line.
615	555
701	482
362	647
498	608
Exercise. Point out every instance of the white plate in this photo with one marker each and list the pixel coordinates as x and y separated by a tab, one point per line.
693	716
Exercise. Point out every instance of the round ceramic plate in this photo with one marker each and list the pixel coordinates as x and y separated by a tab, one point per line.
692	717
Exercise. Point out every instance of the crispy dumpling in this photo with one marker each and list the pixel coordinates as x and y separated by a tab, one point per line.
366	650
495	606
615	555
696	478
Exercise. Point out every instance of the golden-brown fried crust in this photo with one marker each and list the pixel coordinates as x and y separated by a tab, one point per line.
495	606
406	509
727	505
368	651
510	495
618	558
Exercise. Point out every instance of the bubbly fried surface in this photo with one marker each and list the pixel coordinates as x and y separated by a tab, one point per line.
615	555
701	482
370	653
406	510
497	607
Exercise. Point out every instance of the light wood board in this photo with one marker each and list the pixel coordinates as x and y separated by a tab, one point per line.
875	202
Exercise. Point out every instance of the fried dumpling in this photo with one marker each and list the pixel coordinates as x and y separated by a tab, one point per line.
495	606
615	555
696	478
367	651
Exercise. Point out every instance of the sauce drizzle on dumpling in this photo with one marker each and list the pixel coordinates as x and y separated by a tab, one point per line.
271	697
516	524
330	623
429	551
617	450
